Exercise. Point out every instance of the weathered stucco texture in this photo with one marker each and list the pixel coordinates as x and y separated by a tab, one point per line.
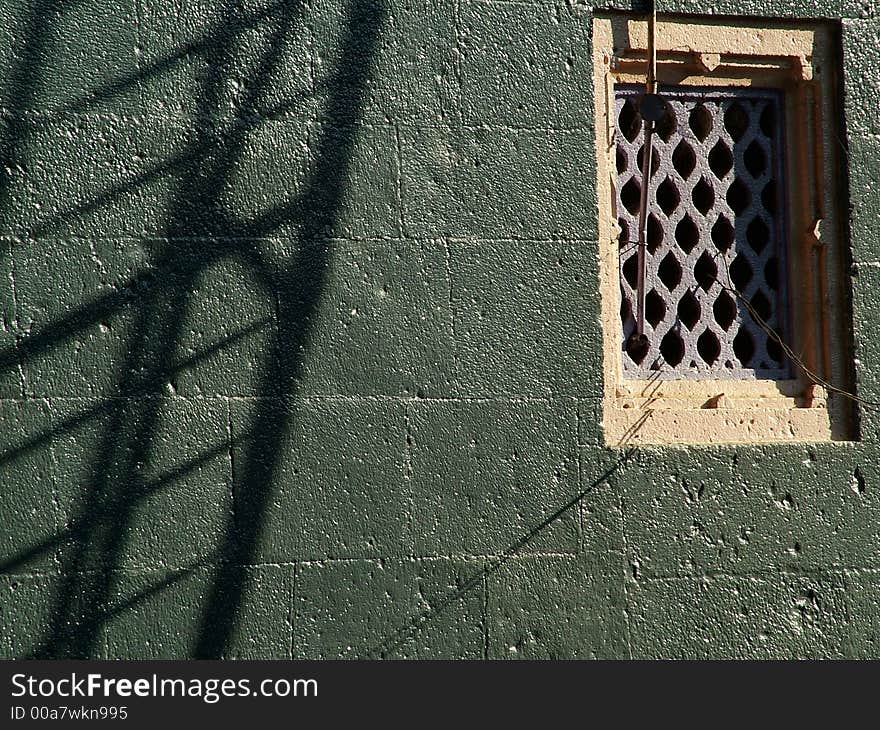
300	352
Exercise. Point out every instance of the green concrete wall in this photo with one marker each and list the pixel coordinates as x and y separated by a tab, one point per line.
300	353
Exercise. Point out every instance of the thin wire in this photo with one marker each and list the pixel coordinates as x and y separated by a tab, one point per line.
642	244
796	359
629	245
759	320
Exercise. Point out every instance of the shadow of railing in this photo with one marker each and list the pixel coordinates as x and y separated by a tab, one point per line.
297	294
21	87
200	233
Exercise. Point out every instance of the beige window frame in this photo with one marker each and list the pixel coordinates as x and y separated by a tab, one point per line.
800	58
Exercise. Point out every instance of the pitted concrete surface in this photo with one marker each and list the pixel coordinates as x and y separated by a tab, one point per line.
300	352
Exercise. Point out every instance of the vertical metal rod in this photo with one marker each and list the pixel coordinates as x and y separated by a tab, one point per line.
650	88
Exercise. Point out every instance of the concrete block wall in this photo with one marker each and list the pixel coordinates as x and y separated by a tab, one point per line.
300	353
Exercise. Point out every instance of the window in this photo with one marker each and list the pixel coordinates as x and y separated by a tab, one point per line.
745	254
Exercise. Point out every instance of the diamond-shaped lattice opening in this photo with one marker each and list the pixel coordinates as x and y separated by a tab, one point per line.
669	271
630	121
774	350
689	310
761	305
683	159
630	196
687	235
667	196
709	347
705	271
621	160
758	235
738	196
637	349
700	122
665	128
703	196
724	310
630	270
740	273
771	273
768	197
743	347
655	308
722	233
655	160
736	121
720	159
672	348
625	308
755	159
655	233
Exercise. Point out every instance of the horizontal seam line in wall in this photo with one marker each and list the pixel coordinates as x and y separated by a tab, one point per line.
300	119
318	398
436	240
395	560
470	558
753	575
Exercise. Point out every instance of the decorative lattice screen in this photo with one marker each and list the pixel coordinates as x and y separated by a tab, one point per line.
716	219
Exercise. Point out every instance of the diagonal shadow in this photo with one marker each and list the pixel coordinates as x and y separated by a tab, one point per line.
396	639
22	85
245	20
94	547
79	529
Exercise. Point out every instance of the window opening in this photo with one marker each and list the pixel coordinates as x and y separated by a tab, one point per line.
714	222
739	331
